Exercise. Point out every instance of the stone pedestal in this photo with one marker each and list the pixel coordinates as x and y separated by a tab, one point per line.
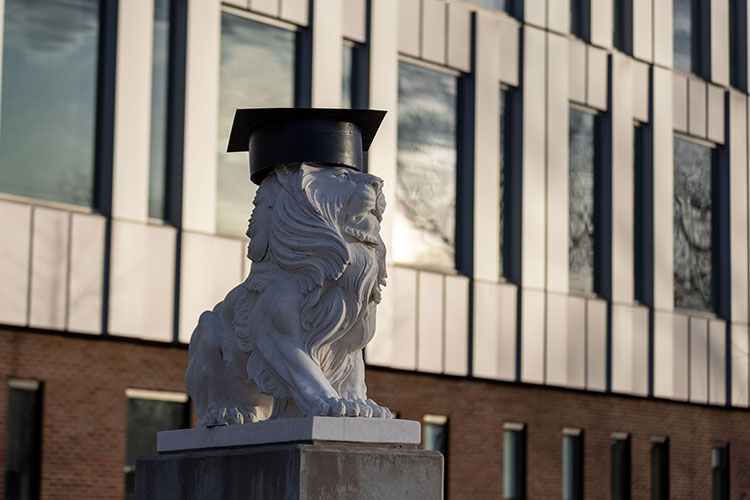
306	458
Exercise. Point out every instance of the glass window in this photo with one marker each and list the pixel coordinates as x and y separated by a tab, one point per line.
720	470
504	150
347	75
687	17
580	18
621	467
659	469
501	5
425	218
693	255
572	466
23	442
146	417
581	201
159	86
435	433
514	462
641	214
738	44
49	83
257	70
623	25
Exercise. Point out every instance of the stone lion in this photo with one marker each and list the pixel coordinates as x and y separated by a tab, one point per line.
288	341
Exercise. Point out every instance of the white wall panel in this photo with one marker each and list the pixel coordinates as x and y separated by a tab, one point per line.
640	351
404	354
640	90
666	327
535	12
533	160
15	258
409	25
459	37
141	288
739	351
327	53
556	350
720	41
132	141
601	22
532	336
643	29
663	34
577	70
738	217
49	268
430	322
433	30
681	358
697	107
596	83
596	345
509	51
268	7
557	165
680	102
457	325
201	116
715	111
698	360
558	15
354	19
86	286
663	182
576	343
717	345
210	268
622	349
380	349
296	11
494	331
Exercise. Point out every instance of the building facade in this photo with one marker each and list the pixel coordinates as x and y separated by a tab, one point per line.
567	303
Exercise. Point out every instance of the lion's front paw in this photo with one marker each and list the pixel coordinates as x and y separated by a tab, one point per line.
378	411
220	415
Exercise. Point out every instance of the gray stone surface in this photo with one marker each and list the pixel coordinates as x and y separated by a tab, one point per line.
293	430
292	472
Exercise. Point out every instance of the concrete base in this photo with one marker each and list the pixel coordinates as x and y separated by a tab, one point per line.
293	471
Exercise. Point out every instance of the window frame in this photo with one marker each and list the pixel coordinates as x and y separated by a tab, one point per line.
576	469
659	475
519	465
37	388
621	477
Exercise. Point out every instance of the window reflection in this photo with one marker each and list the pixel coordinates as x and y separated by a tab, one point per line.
257	70
159	83
503	162
581	201
425	216
683	33
346	75
48	99
692	226
501	5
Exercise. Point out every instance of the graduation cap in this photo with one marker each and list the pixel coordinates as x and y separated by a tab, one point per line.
275	136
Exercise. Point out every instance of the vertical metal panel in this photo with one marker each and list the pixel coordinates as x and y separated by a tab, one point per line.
509	50
681	358
662	29
596	345
558	12
738	216
698	360
494	331
640	91
409	26
601	23
295	11
739	351
433	30
430	331
86	286
622	178
130	164
405	318
201	116
141	288
666	328
486	150
268	7
459	37
533	159
680	102
532	336
622	349
15	258
663	185
326	53
715	114
557	165
697	107
596	83
717	366
457	325
49	268
577	70
643	29
556	351
354	21
720	41
576	343
640	351
202	285
534	12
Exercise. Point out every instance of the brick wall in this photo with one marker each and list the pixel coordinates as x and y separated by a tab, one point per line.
83	447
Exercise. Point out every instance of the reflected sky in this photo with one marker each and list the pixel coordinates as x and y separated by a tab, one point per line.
682	33
581	202
425	215
257	70
346	75
159	84
501	5
48	99
692	226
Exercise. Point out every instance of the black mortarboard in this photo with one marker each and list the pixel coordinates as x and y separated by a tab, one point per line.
275	136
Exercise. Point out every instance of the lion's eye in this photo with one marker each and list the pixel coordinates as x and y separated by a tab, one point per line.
342	174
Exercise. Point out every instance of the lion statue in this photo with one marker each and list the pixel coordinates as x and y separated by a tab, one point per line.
288	341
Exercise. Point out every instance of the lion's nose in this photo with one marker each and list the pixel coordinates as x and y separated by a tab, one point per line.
376	183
